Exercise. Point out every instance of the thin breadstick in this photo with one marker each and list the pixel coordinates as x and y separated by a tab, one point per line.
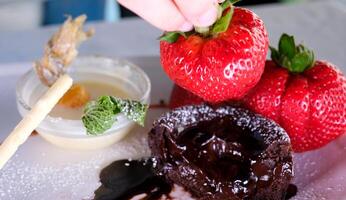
33	118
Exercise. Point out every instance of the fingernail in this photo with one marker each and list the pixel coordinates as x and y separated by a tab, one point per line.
208	18
187	26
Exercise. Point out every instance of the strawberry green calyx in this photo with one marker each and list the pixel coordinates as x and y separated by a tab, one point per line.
173	36
294	58
225	13
221	25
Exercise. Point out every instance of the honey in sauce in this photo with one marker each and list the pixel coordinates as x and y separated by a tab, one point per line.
73	108
76	97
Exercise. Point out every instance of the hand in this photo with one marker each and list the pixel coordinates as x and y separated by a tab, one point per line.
175	15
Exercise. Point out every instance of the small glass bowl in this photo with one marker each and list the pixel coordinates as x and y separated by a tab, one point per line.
72	134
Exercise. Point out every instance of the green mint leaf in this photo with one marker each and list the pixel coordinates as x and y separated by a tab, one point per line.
107	103
172	37
221	25
100	115
133	110
287	46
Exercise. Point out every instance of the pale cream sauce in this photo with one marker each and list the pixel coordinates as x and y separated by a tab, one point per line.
95	89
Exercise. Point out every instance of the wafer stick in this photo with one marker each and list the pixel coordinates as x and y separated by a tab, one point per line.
33	118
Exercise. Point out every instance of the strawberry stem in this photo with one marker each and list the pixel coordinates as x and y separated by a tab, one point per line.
225	12
202	30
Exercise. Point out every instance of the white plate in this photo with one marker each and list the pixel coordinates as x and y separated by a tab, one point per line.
42	171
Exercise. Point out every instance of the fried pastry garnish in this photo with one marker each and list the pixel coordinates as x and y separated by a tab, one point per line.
61	49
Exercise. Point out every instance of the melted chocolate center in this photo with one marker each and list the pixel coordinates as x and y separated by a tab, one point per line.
228	156
222	150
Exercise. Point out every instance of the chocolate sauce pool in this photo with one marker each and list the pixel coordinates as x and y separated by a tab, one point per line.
124	179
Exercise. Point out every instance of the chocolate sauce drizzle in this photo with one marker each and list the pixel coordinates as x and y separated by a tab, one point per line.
124	179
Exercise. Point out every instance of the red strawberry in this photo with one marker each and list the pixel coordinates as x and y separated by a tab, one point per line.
220	62
307	98
181	97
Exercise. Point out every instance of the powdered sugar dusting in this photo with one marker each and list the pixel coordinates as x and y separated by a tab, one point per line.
256	123
42	171
35	181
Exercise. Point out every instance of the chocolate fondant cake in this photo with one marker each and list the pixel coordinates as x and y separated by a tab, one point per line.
222	153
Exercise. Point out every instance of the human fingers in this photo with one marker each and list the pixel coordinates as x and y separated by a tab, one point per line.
161	13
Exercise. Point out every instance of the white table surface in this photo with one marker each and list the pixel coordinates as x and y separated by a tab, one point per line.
41	171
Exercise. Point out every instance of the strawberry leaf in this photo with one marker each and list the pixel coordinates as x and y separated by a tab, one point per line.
287	46
234	1
221	25
225	5
299	62
295	58
172	37
275	55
